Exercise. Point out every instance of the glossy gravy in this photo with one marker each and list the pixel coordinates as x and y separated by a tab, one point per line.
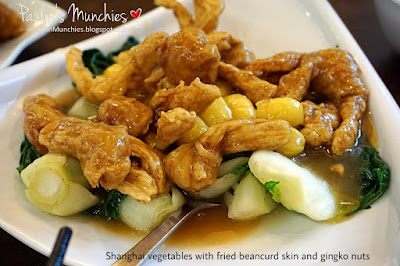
212	227
345	188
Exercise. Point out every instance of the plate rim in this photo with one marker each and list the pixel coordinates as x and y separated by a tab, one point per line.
331	17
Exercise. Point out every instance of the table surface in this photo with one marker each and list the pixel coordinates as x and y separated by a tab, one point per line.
358	15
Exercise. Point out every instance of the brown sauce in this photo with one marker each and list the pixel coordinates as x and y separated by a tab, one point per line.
209	227
345	188
368	129
212	227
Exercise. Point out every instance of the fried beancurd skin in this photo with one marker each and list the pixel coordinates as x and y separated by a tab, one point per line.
249	135
144	56
100	88
126	111
188	170
40	110
223	40
205	17
334	75
282	62
172	125
136	65
351	111
102	150
189	55
296	83
253	87
11	25
146	177
320	122
239	56
195	166
207	13
150	161
232	50
144	92
183	16
338	75
195	97
339	80
139	185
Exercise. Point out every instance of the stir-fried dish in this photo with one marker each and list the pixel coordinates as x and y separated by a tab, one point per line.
194	116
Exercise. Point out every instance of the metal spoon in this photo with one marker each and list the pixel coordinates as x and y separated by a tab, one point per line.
155	238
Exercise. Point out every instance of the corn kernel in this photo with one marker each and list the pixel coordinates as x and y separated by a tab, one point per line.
217	112
281	108
224	87
191	136
240	105
295	146
109	71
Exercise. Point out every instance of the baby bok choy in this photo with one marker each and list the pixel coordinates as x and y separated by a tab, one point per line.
83	109
229	173
250	199
109	206
28	155
146	216
294	186
55	184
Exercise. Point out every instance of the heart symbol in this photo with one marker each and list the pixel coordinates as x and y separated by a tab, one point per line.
136	13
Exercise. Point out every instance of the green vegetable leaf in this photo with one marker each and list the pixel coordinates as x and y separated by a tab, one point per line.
375	178
241	170
97	62
109	206
271	186
112	202
28	155
276	196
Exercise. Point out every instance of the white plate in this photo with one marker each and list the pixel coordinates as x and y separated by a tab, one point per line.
267	26
38	16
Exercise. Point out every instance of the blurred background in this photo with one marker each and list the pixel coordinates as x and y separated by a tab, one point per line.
358	15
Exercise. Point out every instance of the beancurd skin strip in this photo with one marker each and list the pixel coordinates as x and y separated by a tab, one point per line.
39	111
195	166
102	150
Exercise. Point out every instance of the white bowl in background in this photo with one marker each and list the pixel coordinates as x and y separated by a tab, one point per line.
37	26
389	17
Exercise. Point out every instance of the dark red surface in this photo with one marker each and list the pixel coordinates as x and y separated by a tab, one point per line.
358	15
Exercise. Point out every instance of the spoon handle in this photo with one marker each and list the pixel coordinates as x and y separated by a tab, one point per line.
142	250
